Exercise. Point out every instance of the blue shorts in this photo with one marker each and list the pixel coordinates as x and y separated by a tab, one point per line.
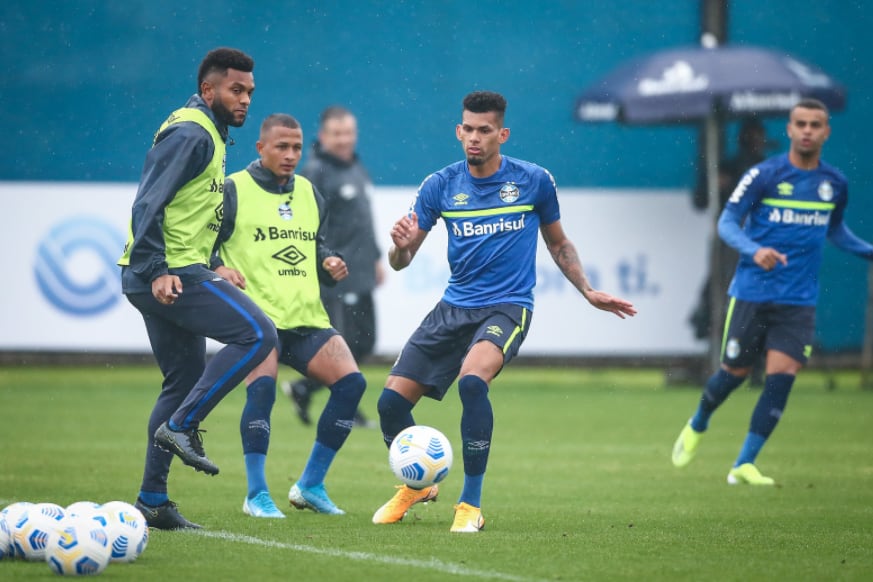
752	328
299	345
434	353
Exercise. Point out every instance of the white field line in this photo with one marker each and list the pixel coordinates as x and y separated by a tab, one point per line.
431	564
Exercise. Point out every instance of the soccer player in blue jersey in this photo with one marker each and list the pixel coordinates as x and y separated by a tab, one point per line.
777	218
493	207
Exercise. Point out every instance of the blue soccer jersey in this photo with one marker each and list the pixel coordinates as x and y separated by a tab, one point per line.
791	210
493	227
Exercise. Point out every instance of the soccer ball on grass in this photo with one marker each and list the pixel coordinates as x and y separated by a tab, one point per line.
79	547
81	508
9	516
420	456
31	531
127	529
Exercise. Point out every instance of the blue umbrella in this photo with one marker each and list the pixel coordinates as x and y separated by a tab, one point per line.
690	84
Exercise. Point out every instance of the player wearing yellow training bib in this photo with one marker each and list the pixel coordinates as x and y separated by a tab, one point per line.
165	275
271	246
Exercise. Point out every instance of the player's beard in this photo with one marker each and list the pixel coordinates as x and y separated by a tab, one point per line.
476	160
225	115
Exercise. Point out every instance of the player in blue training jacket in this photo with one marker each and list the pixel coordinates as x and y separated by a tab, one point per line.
494	207
778	218
175	219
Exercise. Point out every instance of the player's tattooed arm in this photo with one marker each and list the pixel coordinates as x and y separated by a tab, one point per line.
567	259
564	254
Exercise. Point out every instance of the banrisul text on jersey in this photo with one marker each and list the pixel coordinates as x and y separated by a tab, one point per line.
493	225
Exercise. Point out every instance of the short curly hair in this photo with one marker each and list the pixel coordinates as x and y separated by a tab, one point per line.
220	60
485	102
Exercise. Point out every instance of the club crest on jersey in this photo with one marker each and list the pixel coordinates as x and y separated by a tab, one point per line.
826	191
285	211
509	192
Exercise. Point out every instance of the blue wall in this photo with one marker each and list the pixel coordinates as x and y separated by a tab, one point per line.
86	84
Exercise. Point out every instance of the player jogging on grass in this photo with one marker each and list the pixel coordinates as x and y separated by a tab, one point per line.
493	207
778	218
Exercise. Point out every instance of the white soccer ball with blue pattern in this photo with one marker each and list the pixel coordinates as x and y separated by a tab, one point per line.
33	528
81	508
420	456
127	529
79	547
5	539
5	536
9	516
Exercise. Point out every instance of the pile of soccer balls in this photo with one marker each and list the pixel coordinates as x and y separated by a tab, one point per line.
79	540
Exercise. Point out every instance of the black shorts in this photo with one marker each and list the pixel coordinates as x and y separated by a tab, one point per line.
752	328
299	345
434	353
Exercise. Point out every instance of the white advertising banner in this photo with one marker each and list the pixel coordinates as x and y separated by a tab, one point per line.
648	246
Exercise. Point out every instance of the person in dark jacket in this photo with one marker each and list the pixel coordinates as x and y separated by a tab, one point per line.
338	174
165	275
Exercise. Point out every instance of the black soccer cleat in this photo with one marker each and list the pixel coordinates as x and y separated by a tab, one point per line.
164	516
187	445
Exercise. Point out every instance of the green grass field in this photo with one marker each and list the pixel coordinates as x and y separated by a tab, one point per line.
580	485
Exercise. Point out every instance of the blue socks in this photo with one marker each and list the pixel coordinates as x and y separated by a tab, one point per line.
766	415
254	428
254	424
771	404
336	420
472	492
255	473
334	426
153	498
751	447
477	425
717	389
395	414
316	468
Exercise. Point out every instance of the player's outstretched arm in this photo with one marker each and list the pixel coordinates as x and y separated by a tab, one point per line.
407	239
564	254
